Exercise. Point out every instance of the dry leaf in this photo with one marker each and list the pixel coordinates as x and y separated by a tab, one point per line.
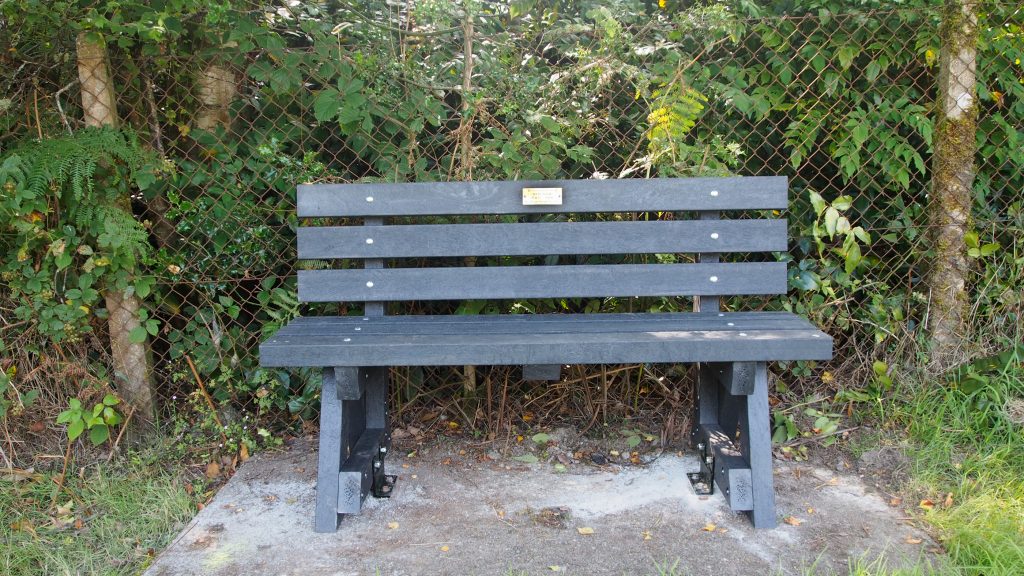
392	525
792	520
927	504
243	452
555	568
212	470
586	530
646	534
709	527
810	510
895	501
445	548
912	540
949	501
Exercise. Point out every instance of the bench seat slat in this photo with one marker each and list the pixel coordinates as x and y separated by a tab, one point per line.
513	282
543	348
625	195
640	237
542	324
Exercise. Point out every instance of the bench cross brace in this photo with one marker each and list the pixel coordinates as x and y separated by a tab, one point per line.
732	433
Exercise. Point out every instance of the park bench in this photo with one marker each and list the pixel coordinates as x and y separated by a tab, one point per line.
731	427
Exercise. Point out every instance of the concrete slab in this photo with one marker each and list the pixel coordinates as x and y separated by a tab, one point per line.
454	514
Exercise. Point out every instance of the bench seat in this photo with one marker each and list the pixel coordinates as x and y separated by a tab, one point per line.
545	339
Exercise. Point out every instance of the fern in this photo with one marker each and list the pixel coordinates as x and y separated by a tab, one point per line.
69	163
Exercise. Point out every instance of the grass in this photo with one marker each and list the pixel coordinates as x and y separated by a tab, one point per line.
967	445
110	520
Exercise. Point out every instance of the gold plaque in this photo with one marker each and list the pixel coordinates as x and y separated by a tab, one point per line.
542	196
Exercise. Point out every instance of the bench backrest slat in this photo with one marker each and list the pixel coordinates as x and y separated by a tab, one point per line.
514	282
392	254
526	239
626	195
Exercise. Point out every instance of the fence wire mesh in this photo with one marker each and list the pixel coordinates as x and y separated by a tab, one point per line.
844	104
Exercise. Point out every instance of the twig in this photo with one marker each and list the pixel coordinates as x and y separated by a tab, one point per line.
60	109
124	427
35	103
63	473
209	400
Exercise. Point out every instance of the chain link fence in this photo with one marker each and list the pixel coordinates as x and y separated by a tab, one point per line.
843	104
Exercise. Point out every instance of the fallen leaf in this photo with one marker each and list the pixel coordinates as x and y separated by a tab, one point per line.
912	540
949	501
585	531
37	426
555	568
243	453
445	548
709	527
646	534
927	504
405	465
810	510
895	501
527	458
453	425
212	470
446	461
792	520
78	524
392	525
462	452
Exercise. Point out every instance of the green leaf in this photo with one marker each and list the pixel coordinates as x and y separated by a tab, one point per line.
326	105
98	434
831	219
879	367
989	249
853	258
818	203
75	429
633	441
137	335
843	203
110	400
528	458
541	438
971	239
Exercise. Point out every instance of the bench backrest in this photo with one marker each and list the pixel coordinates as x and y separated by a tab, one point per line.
707	236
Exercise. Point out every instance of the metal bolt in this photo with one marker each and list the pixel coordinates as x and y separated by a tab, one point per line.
743	333
714	235
348	339
369	240
700	446
383	449
714	192
369	198
369	284
727	491
708	459
713	278
376	465
730	324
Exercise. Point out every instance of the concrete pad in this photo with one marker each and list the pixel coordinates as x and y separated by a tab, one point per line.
453	514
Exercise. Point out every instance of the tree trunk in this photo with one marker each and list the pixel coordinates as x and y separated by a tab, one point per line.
952	179
217	87
132	360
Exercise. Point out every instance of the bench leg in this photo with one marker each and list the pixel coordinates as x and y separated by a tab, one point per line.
330	456
353	442
731	430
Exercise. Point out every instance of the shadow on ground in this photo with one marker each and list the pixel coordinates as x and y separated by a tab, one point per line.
454	514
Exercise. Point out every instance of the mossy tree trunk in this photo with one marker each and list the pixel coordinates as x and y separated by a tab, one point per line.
953	173
133	372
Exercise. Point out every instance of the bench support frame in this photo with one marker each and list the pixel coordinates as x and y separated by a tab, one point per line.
731	429
354	440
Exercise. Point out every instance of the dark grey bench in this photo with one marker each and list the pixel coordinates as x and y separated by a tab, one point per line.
731	425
